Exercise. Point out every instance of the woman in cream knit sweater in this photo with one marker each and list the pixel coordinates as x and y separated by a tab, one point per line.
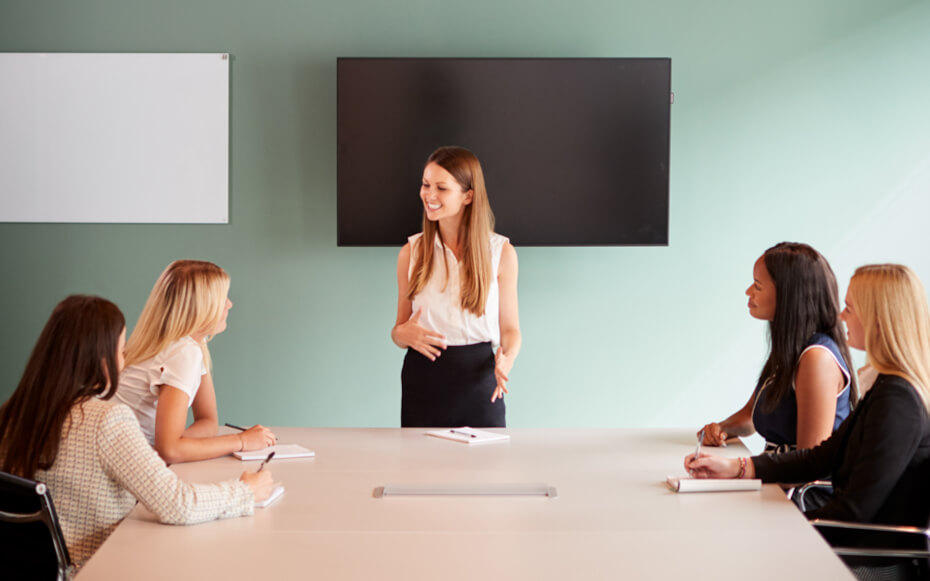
60	427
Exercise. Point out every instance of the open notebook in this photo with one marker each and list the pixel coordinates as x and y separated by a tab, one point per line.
469	435
281	451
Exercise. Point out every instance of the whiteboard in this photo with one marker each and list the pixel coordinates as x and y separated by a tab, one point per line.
114	137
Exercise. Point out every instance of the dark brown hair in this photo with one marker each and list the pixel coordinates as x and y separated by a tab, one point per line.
74	359
807	301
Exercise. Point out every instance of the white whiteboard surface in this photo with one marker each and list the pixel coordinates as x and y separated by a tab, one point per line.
114	137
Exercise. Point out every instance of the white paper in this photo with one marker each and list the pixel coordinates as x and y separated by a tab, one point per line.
468	435
712	484
281	452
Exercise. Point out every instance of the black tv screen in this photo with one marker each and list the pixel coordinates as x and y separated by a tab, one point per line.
574	151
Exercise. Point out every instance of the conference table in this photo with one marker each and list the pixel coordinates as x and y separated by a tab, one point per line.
610	515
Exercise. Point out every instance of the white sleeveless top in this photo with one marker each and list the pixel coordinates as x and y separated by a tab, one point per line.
442	311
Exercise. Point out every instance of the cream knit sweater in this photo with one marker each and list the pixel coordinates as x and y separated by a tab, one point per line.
104	464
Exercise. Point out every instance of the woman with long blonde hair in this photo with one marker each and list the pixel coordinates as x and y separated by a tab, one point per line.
879	458
457	302
168	366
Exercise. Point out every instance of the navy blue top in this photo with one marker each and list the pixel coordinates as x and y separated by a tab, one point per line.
780	426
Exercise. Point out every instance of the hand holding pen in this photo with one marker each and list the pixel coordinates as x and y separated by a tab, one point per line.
256	437
260	482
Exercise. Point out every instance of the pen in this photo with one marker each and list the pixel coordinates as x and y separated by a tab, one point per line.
235	427
697	450
459	432
265	461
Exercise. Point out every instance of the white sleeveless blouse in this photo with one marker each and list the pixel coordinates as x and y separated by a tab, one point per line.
442	311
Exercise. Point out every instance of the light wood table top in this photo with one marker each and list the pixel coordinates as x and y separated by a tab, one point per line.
613	517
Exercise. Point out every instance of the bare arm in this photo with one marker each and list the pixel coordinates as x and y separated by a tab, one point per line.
174	445
206	418
817	383
511	339
404	306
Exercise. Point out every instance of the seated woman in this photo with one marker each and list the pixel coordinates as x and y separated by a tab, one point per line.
805	390
879	458
61	428
168	366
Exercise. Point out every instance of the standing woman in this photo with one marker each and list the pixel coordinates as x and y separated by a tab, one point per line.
62	427
879	459
168	367
457	302
805	389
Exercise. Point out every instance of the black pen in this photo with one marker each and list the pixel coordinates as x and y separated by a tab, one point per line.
265	461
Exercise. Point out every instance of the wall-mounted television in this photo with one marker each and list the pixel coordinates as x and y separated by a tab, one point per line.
575	151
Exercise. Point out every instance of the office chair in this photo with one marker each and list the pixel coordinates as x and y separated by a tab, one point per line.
31	543
874	551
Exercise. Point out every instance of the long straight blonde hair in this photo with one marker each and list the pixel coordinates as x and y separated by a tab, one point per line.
477	224
188	298
892	305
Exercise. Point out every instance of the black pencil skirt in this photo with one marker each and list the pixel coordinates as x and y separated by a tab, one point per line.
455	390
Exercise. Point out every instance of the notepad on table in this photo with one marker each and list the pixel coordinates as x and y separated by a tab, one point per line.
469	435
712	484
277	493
281	451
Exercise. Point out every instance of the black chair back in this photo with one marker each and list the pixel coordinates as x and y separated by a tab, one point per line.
31	543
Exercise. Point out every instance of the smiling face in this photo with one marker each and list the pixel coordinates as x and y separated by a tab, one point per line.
855	333
443	197
761	293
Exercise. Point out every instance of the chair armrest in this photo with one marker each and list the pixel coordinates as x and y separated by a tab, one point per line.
895	552
800	491
840	524
883	553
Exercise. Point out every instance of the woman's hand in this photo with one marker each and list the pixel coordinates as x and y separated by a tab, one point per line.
708	466
502	366
261	483
412	334
714	435
257	437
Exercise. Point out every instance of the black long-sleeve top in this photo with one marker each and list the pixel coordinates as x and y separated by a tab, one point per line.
878	459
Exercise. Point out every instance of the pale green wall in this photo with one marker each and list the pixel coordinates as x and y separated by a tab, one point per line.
793	120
